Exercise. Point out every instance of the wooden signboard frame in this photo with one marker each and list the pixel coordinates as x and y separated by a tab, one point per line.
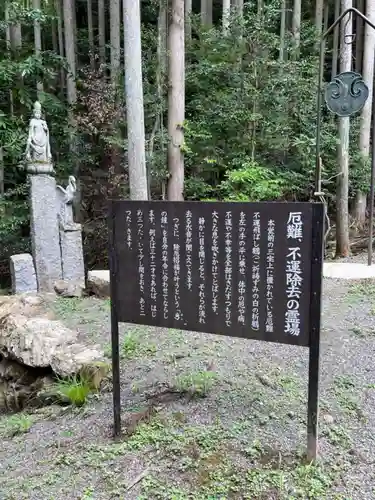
250	270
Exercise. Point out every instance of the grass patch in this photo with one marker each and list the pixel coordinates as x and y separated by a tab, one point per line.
363	288
344	382
206	457
362	333
176	438
66	307
358	332
133	346
12	425
337	436
196	384
74	390
344	390
221	478
88	494
80	310
350	405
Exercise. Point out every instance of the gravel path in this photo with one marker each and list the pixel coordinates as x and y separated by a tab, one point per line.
227	419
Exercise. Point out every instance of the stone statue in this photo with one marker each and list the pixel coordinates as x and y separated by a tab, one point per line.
38	148
65	199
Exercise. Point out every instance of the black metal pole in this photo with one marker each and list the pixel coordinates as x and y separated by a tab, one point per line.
317	252
319	97
114	326
372	185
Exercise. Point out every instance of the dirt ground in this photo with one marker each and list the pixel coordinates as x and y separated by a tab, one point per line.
207	417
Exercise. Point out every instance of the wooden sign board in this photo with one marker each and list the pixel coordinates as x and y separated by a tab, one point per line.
250	270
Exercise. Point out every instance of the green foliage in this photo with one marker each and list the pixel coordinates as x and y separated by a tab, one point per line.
250	125
250	120
74	389
251	182
134	346
19	74
197	384
11	425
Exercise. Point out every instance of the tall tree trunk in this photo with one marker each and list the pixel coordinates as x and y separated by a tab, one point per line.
162	50
365	120
60	36
176	101
2	187
238	6
226	16
188	13
206	12
90	27
342	192
161	73
134	100
319	8
7	29
282	31
55	42
9	47
101	22
71	89
115	38
70	52
75	39
359	39
15	37
296	27
258	54
37	40
336	38
114	15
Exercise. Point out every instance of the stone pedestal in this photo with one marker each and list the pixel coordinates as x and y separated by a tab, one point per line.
45	231
23	273
73	269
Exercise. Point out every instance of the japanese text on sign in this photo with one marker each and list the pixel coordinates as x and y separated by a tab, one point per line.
238	269
294	274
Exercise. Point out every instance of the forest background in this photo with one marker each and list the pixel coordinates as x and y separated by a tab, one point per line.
186	99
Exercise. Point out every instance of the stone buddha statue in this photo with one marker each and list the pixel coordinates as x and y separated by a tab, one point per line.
38	148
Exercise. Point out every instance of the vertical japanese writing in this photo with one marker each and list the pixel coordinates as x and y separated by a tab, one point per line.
164	264
152	250
141	265
188	249
202	271
129	238
293	275
215	261
241	268
270	266
176	268
228	268
255	271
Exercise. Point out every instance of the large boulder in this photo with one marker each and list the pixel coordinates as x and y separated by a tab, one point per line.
69	288
39	342
34	349
98	284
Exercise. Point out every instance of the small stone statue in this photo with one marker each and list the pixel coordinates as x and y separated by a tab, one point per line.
65	202
38	147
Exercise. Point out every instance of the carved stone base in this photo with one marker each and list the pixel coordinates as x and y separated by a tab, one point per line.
70	227
73	269
40	168
45	231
